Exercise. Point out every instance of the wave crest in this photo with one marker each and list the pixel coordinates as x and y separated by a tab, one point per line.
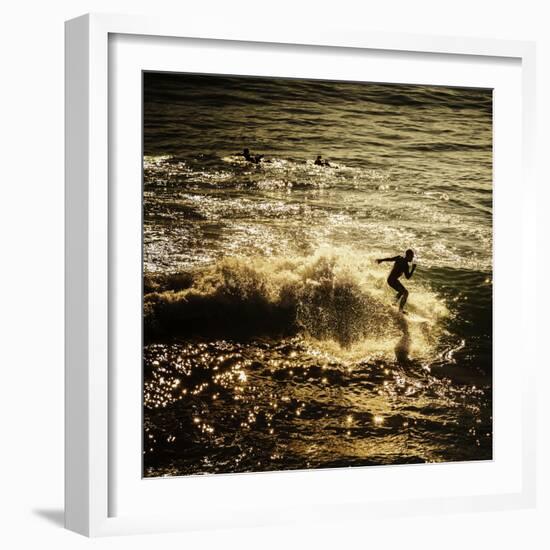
328	297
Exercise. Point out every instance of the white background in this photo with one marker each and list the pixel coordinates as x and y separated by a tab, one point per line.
299	493
31	270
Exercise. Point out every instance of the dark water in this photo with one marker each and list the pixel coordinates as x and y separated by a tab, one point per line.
271	338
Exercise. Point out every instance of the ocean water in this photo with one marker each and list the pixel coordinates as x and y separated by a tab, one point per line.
271	339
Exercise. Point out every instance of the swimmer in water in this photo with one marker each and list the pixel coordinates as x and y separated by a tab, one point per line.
320	162
400	267
250	157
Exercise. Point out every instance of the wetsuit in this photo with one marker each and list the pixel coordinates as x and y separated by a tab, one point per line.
400	267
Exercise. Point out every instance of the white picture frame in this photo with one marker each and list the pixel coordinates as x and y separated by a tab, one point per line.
92	216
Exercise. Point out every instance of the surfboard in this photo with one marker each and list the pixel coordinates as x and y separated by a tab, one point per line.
415	318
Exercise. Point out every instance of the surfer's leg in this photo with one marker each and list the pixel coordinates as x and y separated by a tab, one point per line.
398	287
404	296
395	284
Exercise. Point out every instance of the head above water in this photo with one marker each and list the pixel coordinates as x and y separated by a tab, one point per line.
246	150
409	255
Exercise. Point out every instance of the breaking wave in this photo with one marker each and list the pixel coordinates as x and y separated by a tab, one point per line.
337	300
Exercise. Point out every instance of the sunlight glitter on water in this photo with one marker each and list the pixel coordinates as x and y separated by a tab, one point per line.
272	340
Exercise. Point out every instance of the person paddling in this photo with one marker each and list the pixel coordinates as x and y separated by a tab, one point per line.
400	267
250	157
320	162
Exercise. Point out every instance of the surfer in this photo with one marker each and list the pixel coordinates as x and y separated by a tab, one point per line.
400	267
320	162
250	157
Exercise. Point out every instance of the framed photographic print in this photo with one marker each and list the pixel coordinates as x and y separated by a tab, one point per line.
287	282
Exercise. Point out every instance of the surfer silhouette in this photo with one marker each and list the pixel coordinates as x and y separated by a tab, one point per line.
250	157
400	267
320	162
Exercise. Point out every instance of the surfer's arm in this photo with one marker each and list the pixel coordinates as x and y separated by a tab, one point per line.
409	274
394	259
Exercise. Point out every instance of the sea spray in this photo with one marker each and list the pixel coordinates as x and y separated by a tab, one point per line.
328	296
